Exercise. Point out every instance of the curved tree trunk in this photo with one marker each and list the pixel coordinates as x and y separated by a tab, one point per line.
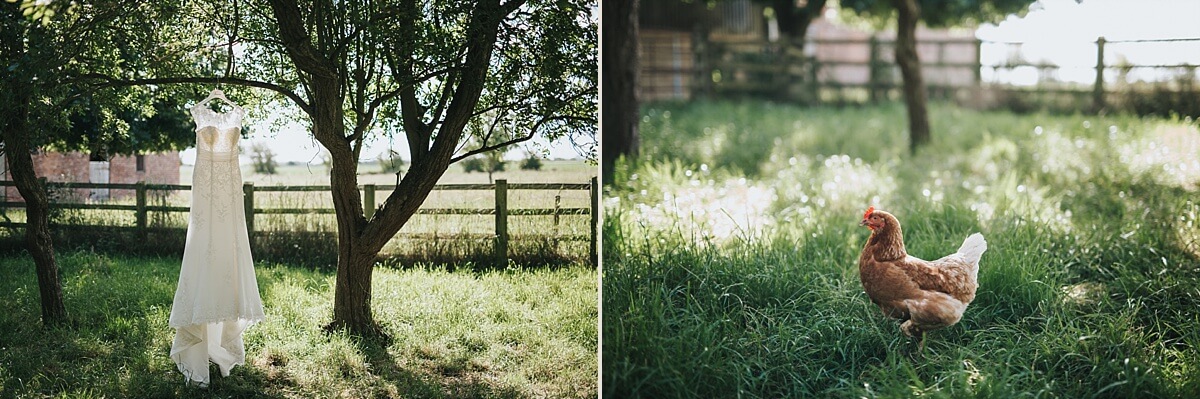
37	210
14	129
909	13
352	292
620	71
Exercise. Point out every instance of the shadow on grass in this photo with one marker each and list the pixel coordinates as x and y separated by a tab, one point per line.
438	381
119	340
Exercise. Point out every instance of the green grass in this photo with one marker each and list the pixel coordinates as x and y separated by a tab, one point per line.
509	333
731	245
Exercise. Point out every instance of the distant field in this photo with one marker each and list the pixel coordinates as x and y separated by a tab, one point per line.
553	171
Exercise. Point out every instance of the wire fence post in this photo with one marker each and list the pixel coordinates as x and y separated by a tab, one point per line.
502	221
369	201
248	189
1098	90
594	247
141	209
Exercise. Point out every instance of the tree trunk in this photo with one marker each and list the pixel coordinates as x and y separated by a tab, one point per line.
794	21
620	71
352	293
909	13
37	210
14	129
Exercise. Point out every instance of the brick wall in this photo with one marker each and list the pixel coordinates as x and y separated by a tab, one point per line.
160	168
55	166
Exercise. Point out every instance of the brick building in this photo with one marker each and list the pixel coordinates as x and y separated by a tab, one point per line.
155	168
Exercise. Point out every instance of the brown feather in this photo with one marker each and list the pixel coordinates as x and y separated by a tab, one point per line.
926	295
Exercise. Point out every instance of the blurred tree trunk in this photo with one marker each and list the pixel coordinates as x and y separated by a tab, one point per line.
909	13
16	95
620	70
794	21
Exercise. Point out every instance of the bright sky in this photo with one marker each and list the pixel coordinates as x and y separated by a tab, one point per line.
1064	32
294	143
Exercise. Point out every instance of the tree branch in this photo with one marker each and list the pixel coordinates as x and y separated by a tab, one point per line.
512	5
527	137
296	40
481	36
110	81
390	95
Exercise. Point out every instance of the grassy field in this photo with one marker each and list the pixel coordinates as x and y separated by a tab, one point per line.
510	333
553	171
731	245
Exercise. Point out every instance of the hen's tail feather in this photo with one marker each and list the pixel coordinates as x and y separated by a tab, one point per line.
972	248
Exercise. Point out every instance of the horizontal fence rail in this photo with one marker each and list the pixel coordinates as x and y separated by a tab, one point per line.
501	211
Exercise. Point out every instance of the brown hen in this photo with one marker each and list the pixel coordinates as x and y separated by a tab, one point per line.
926	295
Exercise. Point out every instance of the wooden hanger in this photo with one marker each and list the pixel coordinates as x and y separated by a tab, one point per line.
217	94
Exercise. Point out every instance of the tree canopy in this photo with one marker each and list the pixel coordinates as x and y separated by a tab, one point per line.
941	13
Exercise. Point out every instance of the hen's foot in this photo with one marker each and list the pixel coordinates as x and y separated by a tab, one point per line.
909	329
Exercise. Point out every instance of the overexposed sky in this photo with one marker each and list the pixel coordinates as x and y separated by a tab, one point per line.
1064	32
295	143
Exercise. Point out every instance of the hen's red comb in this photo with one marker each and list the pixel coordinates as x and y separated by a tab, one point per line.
867	214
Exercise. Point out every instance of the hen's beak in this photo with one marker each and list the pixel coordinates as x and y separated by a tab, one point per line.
864	222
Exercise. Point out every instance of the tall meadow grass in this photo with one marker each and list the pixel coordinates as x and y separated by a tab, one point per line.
731	251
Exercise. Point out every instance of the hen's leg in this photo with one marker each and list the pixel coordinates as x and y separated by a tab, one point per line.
912	330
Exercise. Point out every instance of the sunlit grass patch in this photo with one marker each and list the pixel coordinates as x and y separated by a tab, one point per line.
507	333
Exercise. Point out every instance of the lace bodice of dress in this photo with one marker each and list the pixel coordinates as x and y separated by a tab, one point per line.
218	132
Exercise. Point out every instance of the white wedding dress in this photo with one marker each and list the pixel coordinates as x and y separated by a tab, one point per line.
217	296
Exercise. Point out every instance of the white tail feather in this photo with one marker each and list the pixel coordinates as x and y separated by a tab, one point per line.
972	248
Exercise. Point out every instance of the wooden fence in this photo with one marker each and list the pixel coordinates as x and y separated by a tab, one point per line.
684	65
501	211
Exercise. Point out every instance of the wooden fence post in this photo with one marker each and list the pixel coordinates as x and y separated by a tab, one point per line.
593	249
813	74
369	201
1098	89
978	62
873	69
141	209
557	206
502	221
701	73
248	189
